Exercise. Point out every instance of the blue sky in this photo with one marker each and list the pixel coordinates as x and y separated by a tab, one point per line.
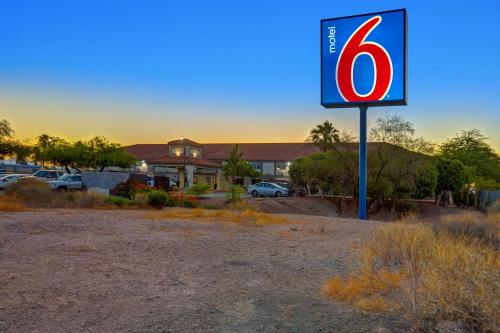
229	70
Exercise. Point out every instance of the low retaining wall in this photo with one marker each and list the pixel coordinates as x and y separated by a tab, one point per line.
103	180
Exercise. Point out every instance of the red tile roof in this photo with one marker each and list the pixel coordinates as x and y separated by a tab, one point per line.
148	152
260	151
251	151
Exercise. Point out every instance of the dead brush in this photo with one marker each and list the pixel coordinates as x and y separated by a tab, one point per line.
34	193
246	217
365	290
11	205
485	229
430	276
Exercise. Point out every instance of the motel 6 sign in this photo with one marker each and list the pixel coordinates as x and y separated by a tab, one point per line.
363	63
363	60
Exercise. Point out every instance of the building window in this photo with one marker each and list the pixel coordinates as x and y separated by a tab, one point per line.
177	151
256	165
281	169
195	152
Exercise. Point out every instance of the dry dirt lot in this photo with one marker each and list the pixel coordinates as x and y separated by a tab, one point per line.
116	271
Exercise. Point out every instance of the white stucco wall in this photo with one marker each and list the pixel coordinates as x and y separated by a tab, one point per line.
268	168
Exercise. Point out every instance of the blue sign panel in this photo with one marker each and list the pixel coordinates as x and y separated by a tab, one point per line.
363	60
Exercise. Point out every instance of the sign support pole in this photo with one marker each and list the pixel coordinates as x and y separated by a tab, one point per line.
362	162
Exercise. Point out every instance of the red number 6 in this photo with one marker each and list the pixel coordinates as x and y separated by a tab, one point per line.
382	64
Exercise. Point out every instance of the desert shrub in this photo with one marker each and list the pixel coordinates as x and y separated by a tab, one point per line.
37	194
211	206
80	200
399	208
11	206
241	205
31	190
485	229
171	201
198	189
157	199
120	201
129	188
187	202
141	198
234	194
178	199
431	276
364	290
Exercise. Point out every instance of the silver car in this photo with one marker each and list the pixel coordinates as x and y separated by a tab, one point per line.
48	175
67	182
266	189
10	179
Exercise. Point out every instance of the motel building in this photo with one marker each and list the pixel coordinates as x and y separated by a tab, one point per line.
188	162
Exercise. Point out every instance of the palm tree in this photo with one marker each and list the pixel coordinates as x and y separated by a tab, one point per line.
324	136
233	166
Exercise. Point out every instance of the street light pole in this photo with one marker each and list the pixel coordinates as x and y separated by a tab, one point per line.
184	163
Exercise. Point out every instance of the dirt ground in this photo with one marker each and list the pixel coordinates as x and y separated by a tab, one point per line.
335	207
116	271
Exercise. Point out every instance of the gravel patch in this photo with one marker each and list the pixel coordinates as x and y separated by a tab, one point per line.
116	271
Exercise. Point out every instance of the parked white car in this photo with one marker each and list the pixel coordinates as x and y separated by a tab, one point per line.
67	182
8	180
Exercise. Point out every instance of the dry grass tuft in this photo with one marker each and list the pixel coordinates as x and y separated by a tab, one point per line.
246	217
375	304
484	228
12	206
359	287
34	193
431	274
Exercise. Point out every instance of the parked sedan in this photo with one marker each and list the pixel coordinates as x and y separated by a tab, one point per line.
267	189
67	182
8	180
48	175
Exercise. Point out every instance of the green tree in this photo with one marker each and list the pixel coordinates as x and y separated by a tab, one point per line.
6	144
6	130
333	172
397	158
451	177
22	151
96	153
55	151
297	171
324	136
395	130
425	181
470	147
346	136
99	153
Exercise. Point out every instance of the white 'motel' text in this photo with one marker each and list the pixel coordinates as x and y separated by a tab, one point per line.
331	38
